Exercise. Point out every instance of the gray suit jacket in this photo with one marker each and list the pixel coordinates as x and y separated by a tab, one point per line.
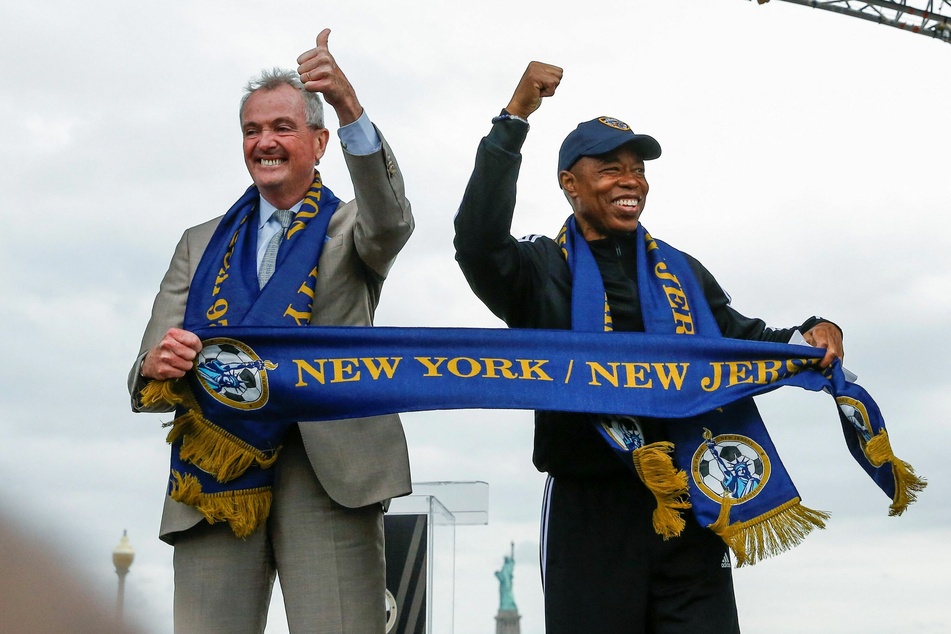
358	461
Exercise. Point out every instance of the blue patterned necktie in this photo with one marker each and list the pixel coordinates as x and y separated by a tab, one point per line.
270	254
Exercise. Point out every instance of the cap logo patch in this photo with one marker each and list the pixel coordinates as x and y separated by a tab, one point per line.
617	124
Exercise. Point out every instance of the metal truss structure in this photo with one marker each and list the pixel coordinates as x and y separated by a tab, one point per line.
931	18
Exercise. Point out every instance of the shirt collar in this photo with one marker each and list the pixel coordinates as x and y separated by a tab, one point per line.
265	209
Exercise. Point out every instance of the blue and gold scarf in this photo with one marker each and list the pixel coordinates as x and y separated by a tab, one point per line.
719	462
223	468
724	466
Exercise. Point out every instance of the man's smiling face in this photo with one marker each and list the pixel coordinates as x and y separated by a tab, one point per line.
607	192
280	149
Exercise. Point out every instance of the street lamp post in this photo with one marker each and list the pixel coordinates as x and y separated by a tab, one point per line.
122	557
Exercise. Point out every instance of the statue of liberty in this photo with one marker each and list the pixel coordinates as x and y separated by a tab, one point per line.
506	598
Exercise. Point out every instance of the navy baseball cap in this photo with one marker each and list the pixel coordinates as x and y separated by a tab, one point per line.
600	136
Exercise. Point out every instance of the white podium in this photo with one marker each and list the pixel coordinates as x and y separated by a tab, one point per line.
420	532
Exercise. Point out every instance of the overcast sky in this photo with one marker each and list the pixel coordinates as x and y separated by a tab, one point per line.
804	163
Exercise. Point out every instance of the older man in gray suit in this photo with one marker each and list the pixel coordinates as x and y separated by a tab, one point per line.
324	533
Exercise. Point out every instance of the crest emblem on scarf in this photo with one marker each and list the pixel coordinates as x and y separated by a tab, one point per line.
233	374
855	412
625	431
730	465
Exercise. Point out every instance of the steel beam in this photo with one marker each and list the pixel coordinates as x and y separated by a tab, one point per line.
931	18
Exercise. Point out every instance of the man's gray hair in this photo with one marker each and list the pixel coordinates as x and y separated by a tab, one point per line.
277	77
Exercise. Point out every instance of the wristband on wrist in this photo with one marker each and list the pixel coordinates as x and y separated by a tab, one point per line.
505	116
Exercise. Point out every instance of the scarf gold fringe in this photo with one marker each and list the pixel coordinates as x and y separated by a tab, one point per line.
244	510
168	392
668	484
204	444
878	450
770	534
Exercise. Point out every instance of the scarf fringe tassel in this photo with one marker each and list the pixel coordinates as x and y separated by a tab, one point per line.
169	392
204	444
668	484
907	484
244	510
771	534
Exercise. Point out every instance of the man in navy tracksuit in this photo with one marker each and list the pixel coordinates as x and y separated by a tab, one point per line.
604	568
